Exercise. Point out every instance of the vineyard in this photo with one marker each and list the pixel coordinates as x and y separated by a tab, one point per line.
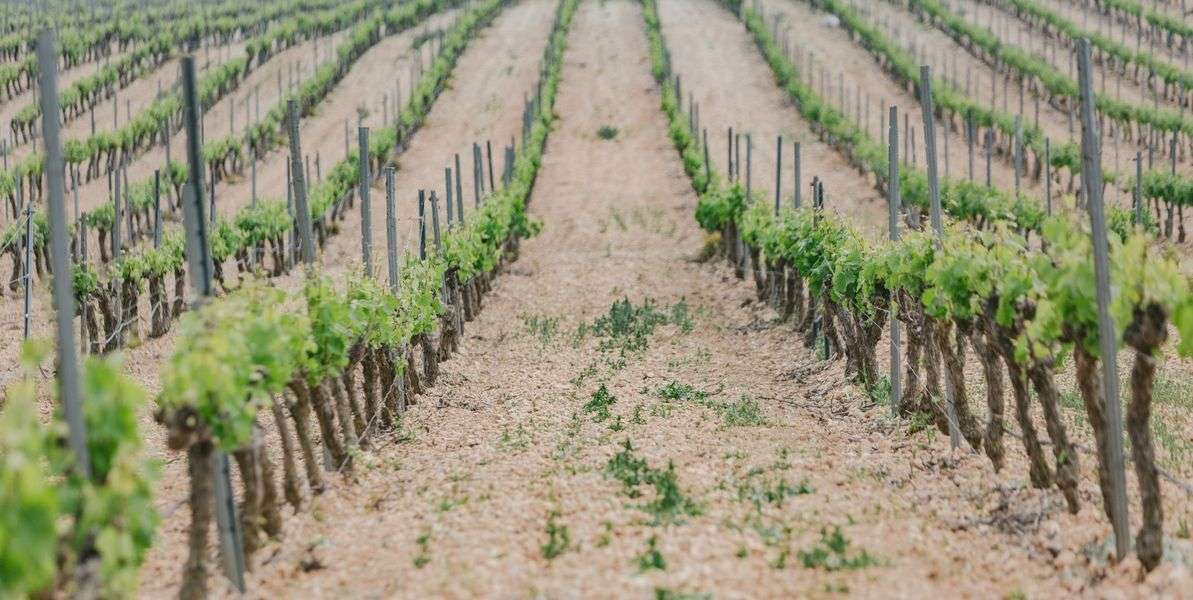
668	299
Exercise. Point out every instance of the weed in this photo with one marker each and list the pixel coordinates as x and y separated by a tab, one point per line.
607	132
669	503
742	552
759	491
880	391
1182	530
651	558
831	553
542	327
519	439
599	404
675	390
680	316
1015	595
629	469
670	594
615	425
744	413
423	542
627	328
558	538
606	535
637	418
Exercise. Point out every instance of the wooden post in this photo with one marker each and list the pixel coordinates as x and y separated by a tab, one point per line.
930	147
1091	175
749	167
937	225
447	184
796	160
893	201
969	135
729	150
301	209
198	255
459	191
391	231
1138	188
1016	152
778	171
1048	176
157	208
27	276
477	170
489	156
366	216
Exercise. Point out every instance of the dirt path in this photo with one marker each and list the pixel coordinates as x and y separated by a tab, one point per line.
504	463
733	85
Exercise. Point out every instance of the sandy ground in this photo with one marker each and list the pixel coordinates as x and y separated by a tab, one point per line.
460	504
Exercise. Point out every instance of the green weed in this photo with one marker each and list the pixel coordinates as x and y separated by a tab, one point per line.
831	553
558	538
607	132
599	404
542	327
745	412
651	558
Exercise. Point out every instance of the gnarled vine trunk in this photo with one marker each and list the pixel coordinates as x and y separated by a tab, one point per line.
1145	335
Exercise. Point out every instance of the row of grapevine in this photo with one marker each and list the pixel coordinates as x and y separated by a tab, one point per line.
952	107
176	37
60	531
1172	31
240	354
1131	119
1024	311
105	151
1177	82
227	153
87	35
256	231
